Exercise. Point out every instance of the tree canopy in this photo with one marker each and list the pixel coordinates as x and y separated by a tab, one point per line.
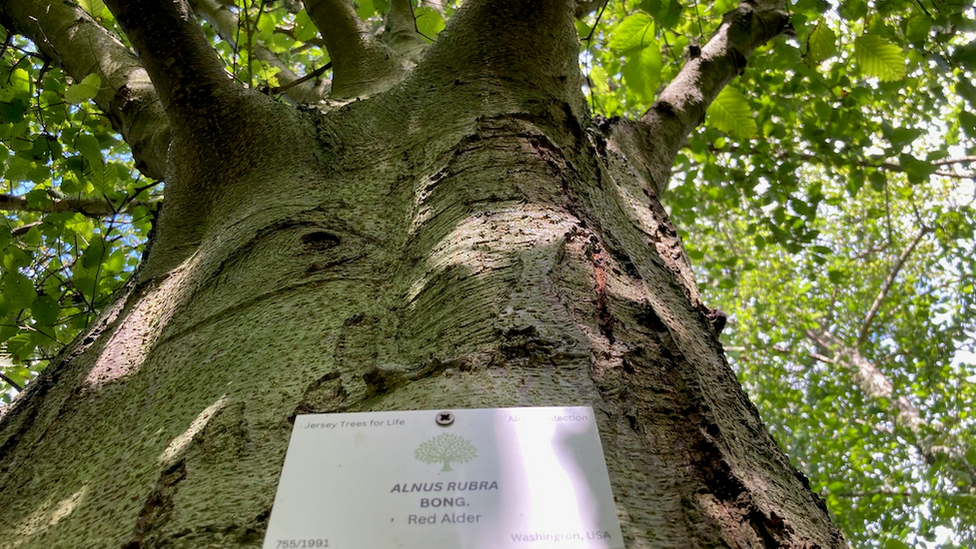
826	202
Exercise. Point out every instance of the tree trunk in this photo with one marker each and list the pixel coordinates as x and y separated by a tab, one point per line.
469	238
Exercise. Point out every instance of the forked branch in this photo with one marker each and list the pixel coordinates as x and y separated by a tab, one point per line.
361	65
401	31
186	70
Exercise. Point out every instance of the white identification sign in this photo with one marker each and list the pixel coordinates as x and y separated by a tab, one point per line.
527	478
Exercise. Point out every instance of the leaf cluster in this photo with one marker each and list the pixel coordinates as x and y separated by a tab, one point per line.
76	211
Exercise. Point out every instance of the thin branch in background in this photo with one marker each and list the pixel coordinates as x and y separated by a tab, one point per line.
314	74
248	50
784	351
11	382
871	251
954	175
587	40
886	286
595	23
887	203
23	229
701	31
236	49
227	24
250	45
91	207
901	493
959	160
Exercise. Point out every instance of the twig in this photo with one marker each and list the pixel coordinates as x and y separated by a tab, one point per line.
862	334
11	382
314	74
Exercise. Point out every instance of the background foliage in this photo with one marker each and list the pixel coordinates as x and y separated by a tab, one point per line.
827	203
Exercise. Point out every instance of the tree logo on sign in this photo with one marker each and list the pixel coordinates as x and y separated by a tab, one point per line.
446	448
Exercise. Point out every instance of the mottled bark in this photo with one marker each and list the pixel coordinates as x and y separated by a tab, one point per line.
361	65
465	239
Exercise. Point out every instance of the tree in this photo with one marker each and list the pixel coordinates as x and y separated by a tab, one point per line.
453	229
446	448
872	360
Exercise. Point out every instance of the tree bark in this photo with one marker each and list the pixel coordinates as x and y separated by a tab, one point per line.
468	238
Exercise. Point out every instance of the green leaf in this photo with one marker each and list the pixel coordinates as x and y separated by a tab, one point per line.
19	83
46	147
968	122
91	149
84	90
853	9
971	456
15	258
45	310
635	31
900	136
966	55
102	179
667	13
896	544
599	79
966	89
821	44
429	22
18	168
80	225
879	58
13	111
18	291
20	346
916	170
731	113
642	73
94	255
918	27
93	7
365	9
305	30
33	237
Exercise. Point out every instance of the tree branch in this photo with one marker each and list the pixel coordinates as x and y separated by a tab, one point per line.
314	74
862	334
899	493
528	43
187	72
401	31
226	23
873	383
586	7
655	139
960	160
11	382
66	34
92	207
361	65
24	229
861	162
